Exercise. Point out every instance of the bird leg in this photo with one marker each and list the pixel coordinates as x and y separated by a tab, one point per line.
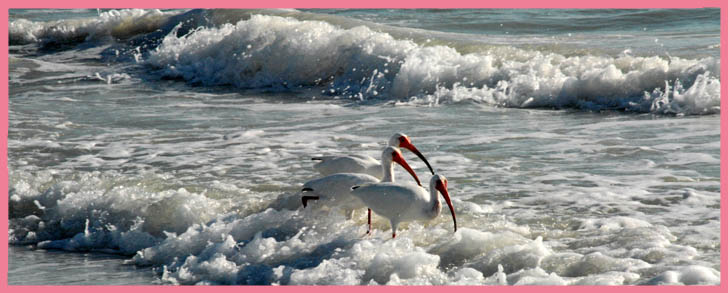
306	198
369	220
369	223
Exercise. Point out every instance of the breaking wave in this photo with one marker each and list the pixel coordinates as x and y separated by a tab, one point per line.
353	60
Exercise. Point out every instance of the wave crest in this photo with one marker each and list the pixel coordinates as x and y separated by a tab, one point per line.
119	24
283	53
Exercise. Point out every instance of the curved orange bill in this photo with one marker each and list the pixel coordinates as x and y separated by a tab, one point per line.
443	189
397	158
408	145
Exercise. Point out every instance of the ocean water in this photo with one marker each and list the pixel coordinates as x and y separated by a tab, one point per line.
169	147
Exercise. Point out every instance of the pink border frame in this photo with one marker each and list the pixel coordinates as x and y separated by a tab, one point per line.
362	4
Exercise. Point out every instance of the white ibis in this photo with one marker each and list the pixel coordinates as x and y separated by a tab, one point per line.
405	202
362	163
336	189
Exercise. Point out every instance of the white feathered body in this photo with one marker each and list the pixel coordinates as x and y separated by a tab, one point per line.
335	190
349	164
399	202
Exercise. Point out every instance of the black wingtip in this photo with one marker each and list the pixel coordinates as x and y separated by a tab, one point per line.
305	200
317	159
355	187
306	189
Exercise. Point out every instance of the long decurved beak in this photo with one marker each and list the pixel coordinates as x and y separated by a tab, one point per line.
408	145
397	158
443	190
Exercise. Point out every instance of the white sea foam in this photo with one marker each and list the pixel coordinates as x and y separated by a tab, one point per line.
91	212
238	232
178	232
690	275
201	184
113	23
364	61
271	51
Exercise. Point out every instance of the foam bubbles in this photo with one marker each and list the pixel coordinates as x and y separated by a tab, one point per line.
361	61
690	275
88	214
113	23
201	185
363	64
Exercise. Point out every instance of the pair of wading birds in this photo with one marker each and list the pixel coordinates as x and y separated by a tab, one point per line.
353	182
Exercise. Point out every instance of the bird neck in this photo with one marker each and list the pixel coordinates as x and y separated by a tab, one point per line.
388	168
436	206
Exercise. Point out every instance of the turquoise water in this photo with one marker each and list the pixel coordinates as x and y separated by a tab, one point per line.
170	147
